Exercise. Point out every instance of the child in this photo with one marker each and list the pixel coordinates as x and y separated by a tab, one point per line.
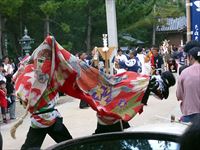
3	101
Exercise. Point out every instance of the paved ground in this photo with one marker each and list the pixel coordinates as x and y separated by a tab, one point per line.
83	122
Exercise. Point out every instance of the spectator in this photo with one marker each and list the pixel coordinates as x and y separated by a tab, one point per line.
157	63
2	71
141	58
187	47
188	88
120	56
7	66
11	96
132	64
3	101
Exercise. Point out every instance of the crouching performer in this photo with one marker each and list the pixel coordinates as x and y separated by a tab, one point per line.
52	69
158	85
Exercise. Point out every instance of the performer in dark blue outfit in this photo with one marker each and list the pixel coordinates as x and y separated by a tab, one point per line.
133	64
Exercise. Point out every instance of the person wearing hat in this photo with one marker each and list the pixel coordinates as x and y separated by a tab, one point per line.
188	88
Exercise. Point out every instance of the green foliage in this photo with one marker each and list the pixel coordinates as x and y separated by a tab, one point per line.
137	17
10	7
68	46
69	20
65	27
49	7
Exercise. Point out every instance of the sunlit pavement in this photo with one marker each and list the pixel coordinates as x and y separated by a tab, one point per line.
82	122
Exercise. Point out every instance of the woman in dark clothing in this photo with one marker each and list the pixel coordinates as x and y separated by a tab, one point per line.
11	96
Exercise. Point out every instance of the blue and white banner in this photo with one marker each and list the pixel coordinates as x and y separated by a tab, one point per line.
195	19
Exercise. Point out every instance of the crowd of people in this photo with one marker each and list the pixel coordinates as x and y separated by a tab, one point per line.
146	61
153	61
183	60
7	92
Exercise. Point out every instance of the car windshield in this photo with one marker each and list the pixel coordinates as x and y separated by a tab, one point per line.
122	141
139	144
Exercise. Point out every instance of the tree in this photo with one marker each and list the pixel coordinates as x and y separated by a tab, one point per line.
139	16
8	9
79	24
49	9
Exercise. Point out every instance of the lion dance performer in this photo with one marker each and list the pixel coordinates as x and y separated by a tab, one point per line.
52	69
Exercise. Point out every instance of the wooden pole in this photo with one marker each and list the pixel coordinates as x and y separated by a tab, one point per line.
188	16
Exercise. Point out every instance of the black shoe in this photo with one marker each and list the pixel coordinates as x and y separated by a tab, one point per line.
83	105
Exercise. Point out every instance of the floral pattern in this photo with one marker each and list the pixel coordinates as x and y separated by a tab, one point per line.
51	68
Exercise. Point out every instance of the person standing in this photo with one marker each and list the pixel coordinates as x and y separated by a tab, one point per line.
157	63
188	88
2	73
3	101
11	96
120	56
141	58
132	64
7	66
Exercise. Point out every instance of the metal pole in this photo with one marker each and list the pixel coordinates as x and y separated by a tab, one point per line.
188	20
111	28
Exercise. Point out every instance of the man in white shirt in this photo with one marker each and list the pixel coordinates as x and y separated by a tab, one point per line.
120	56
2	77
141	57
7	66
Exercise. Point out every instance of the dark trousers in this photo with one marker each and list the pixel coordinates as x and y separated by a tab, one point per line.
191	118
3	112
117	127
35	137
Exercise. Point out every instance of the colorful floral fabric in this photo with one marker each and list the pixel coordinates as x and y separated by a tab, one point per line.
51	68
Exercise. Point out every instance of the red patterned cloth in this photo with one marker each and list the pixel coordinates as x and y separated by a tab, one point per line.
51	69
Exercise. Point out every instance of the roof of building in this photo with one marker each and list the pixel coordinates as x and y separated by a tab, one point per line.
128	37
173	24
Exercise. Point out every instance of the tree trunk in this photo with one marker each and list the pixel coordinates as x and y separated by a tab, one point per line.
46	28
4	37
21	34
154	35
89	30
0	36
154	27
